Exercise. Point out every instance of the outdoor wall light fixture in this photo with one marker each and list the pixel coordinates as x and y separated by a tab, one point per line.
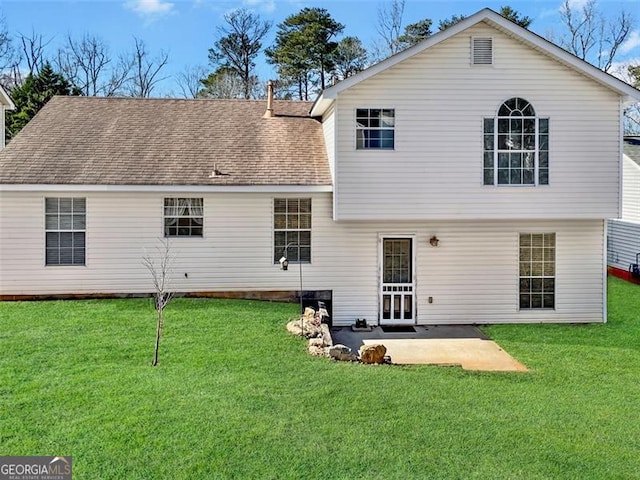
434	241
284	265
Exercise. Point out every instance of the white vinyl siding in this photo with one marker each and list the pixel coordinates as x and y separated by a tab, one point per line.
472	275
329	131
630	190
435	171
623	243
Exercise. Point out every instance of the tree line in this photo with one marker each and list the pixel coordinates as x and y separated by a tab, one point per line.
309	53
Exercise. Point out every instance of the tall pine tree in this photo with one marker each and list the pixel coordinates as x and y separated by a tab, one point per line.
305	47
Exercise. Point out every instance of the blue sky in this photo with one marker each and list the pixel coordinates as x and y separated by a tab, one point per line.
187	28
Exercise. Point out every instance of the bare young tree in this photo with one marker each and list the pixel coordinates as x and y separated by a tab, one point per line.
84	62
160	269
389	25
590	36
145	70
189	81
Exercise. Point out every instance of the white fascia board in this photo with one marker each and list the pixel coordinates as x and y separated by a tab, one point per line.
6	100
167	188
629	94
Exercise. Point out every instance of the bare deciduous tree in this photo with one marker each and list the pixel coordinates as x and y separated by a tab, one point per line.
145	70
33	51
189	81
389	25
9	58
160	269
84	62
590	36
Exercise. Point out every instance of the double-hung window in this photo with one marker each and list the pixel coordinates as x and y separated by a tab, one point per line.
375	128
183	217
537	270
516	146
292	229
65	230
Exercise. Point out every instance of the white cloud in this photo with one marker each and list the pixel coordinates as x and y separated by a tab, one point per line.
149	8
630	43
577	4
267	6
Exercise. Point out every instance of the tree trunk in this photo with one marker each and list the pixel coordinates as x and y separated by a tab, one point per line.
158	335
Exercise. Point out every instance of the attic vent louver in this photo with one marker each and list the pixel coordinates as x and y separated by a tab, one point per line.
482	51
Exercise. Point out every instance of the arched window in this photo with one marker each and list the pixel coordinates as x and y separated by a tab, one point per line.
516	146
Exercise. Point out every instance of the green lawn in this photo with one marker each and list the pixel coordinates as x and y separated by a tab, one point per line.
236	397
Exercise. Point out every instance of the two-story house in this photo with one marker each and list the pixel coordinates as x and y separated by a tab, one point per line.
467	179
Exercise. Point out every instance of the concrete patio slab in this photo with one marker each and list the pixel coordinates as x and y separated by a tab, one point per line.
462	345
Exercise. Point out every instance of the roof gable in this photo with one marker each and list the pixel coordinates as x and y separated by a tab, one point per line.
497	21
5	100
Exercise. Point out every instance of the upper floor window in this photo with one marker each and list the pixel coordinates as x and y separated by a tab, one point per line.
65	226
516	146
183	217
375	128
292	229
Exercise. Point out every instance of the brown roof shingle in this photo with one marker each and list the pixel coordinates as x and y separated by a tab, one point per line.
126	141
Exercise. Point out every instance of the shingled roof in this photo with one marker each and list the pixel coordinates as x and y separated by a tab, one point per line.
126	141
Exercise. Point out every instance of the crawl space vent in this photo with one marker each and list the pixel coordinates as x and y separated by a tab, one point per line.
482	51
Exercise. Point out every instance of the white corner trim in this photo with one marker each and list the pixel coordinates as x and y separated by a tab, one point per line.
605	272
167	188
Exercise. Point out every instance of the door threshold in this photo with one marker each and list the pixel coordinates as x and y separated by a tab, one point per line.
398	328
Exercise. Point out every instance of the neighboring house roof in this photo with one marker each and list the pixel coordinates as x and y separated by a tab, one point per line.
5	100
126	141
632	149
630	94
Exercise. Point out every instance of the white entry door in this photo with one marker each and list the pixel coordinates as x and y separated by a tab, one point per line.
397	299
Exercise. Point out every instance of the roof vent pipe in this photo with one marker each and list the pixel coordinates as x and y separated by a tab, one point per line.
269	112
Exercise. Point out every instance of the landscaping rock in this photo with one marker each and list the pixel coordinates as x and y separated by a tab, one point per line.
316	342
372	353
305	327
342	353
326	335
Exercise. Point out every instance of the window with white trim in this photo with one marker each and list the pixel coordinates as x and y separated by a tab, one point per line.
375	128
292	229
183	217
537	270
65	231
516	146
